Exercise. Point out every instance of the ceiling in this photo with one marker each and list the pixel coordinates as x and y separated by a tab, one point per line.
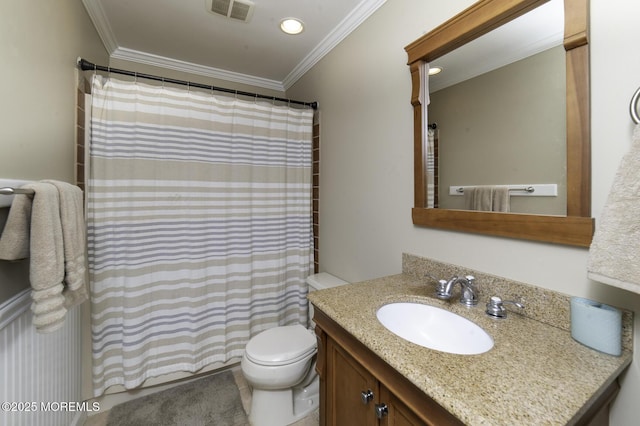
184	35
532	33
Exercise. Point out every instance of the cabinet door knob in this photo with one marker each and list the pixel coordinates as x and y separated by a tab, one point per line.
381	410
367	396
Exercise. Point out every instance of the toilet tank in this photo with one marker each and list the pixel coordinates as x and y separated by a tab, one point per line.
321	281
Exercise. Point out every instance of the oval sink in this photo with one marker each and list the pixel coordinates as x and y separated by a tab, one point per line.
434	328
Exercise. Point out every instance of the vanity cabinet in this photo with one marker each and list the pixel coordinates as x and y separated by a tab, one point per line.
352	392
359	388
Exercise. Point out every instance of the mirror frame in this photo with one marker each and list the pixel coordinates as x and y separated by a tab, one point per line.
577	227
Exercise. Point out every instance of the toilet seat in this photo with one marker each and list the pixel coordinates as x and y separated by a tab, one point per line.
281	345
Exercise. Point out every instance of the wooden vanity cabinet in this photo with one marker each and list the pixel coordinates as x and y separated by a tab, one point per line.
351	391
359	388
348	370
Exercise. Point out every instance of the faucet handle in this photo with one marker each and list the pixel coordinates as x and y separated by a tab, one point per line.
495	306
441	286
441	290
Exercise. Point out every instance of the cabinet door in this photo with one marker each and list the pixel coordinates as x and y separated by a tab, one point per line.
398	414
346	381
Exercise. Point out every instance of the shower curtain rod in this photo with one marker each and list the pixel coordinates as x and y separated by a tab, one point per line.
88	66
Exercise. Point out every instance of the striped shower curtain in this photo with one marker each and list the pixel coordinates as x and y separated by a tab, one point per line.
432	196
199	227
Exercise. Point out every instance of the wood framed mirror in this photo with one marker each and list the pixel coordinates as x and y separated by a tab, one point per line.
576	228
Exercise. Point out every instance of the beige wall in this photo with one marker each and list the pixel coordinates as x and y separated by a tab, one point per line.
366	191
39	44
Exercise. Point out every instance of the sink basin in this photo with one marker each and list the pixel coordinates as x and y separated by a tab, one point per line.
434	328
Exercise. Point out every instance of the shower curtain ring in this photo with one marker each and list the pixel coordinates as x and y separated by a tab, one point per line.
633	107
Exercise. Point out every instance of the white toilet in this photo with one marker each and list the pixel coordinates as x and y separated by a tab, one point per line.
279	364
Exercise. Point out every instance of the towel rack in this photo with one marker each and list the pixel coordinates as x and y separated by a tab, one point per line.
15	191
525	189
10	188
633	107
530	190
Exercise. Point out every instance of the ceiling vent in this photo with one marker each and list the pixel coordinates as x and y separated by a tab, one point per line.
241	10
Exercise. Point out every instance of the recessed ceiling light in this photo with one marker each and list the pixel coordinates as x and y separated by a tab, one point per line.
434	70
291	25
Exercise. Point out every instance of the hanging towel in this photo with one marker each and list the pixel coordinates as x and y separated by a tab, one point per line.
478	198
614	255
49	229
46	267
14	241
73	236
501	199
487	198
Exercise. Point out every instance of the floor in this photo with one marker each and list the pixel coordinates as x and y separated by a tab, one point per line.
100	419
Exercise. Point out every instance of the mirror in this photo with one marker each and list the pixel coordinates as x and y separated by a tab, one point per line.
508	85
575	227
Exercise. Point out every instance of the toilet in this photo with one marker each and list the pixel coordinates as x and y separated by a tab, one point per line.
279	364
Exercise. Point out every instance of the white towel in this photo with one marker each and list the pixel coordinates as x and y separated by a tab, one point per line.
46	267
73	236
14	241
614	255
501	199
487	198
50	230
478	198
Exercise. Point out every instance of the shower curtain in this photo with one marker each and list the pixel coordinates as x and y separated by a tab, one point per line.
428	138
199	227
431	168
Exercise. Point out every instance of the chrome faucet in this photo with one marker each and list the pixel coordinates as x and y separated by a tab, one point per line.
469	295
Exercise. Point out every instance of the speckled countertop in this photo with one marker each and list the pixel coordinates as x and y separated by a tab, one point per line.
535	373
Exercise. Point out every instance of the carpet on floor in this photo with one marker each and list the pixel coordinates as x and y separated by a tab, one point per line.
212	400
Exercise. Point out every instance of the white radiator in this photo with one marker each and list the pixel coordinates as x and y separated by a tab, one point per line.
39	373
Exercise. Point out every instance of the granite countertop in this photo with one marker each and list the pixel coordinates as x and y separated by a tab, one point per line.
535	373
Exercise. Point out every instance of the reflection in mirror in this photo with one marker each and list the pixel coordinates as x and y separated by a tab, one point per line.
505	127
574	224
500	109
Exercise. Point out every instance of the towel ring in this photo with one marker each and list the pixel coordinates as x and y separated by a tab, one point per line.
633	107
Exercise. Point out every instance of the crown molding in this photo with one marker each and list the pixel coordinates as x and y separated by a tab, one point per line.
101	23
362	11
188	67
365	9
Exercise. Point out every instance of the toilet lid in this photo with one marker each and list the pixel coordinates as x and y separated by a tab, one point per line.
281	345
